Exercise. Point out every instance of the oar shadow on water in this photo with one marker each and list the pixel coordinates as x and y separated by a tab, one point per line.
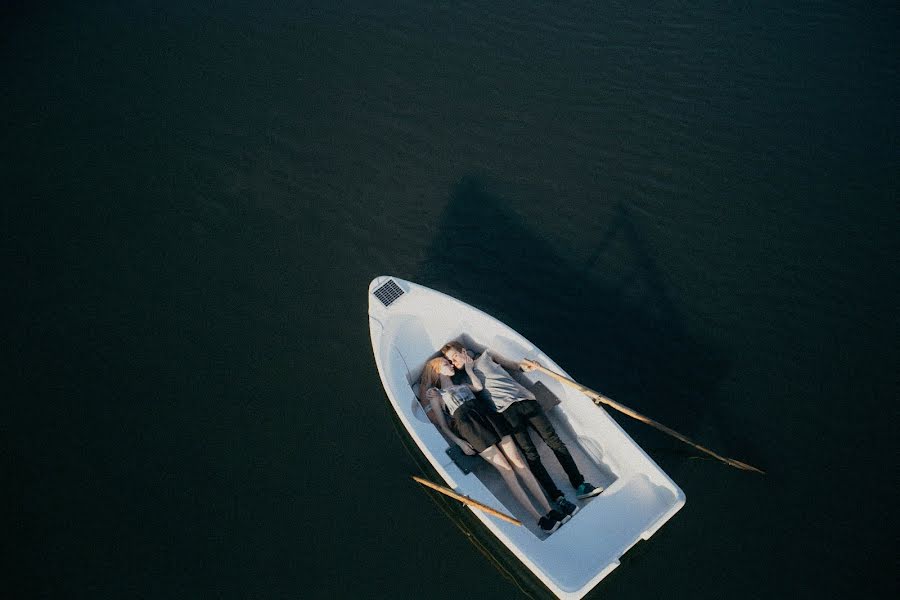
609	321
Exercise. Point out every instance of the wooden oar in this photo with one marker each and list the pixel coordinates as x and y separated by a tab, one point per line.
601	399
467	500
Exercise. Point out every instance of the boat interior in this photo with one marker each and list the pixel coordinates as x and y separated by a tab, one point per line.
587	453
409	323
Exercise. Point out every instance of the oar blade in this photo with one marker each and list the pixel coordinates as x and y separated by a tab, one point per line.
744	466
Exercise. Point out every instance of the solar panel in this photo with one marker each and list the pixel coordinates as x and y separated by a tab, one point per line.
388	292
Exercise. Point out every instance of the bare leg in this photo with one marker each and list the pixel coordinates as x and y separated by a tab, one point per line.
515	458
494	456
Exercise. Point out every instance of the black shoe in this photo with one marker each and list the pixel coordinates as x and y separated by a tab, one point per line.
566	508
555	514
549	523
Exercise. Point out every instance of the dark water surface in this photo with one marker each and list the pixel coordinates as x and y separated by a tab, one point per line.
693	208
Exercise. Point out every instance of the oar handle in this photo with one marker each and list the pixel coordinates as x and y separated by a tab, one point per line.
467	500
599	398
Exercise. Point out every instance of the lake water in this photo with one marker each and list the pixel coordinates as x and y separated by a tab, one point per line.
691	207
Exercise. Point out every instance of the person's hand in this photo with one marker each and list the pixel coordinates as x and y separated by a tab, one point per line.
466	447
528	365
468	362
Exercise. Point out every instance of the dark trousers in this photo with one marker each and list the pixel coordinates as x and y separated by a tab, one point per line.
525	413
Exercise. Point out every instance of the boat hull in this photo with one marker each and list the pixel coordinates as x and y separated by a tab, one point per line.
408	324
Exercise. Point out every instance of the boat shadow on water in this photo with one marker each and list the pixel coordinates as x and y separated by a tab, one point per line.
608	320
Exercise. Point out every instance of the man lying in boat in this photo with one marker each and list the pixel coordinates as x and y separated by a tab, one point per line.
519	408
475	433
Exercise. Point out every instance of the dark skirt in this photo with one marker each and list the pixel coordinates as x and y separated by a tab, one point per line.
474	427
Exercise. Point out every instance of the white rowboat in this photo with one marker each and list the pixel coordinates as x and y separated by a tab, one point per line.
408	324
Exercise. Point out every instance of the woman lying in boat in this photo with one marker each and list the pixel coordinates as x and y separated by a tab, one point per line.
475	433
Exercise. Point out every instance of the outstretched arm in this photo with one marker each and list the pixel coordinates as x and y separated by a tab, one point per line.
437	409
509	365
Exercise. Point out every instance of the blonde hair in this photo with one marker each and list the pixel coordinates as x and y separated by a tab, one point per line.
454	345
430	375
